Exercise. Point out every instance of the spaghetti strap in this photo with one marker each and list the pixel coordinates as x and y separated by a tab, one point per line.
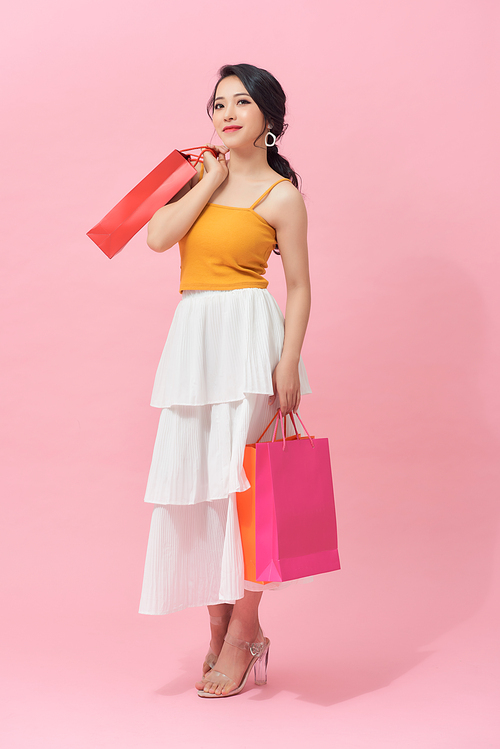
283	179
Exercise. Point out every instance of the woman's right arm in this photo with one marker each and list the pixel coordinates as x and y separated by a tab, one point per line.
173	221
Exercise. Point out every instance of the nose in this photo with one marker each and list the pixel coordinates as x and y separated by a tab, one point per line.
229	113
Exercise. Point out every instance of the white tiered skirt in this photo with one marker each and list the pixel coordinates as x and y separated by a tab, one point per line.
213	385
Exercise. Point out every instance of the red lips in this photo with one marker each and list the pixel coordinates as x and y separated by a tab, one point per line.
231	127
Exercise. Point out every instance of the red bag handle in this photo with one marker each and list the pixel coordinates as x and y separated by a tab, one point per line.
195	159
279	415
265	430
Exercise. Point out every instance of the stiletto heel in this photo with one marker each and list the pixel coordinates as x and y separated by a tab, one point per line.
260	655
260	669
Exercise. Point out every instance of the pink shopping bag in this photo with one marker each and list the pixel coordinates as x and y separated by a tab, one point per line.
295	523
133	212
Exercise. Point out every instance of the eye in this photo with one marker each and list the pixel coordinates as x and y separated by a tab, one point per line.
243	101
218	105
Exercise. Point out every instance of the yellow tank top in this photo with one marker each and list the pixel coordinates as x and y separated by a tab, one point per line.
227	248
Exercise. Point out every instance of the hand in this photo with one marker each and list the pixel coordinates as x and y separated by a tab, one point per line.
286	385
216	168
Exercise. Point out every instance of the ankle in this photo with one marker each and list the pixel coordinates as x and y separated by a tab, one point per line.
247	631
218	629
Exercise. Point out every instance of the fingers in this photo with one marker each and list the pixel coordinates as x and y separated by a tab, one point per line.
217	149
208	157
210	160
289	402
284	403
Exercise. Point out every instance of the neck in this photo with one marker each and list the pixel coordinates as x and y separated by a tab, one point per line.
248	162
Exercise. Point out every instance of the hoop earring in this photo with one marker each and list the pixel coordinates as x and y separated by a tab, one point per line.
273	137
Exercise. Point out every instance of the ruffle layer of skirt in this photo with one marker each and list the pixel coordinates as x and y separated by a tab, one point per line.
194	557
221	346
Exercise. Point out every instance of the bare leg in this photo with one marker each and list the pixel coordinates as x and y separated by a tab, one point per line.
221	611
233	661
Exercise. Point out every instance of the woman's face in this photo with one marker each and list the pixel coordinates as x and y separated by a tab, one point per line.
237	119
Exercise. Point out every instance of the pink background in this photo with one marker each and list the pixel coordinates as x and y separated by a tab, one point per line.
394	125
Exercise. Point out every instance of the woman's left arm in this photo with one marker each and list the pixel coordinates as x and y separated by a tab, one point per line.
291	233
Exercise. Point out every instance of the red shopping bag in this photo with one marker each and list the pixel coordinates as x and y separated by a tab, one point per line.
287	517
123	221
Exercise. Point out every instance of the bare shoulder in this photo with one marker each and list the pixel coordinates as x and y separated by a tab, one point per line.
285	199
287	206
288	195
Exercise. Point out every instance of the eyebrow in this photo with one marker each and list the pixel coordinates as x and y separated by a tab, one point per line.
223	97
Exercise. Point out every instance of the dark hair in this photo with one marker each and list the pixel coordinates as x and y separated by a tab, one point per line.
269	96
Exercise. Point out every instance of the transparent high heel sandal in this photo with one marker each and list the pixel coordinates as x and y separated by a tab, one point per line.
211	658
260	659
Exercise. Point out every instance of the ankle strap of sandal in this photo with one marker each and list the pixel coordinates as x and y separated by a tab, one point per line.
255	648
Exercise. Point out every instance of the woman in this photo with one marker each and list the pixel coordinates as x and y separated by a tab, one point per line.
228	364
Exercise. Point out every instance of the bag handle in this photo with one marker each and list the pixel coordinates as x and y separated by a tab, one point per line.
282	420
265	430
283	427
278	413
195	159
311	440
